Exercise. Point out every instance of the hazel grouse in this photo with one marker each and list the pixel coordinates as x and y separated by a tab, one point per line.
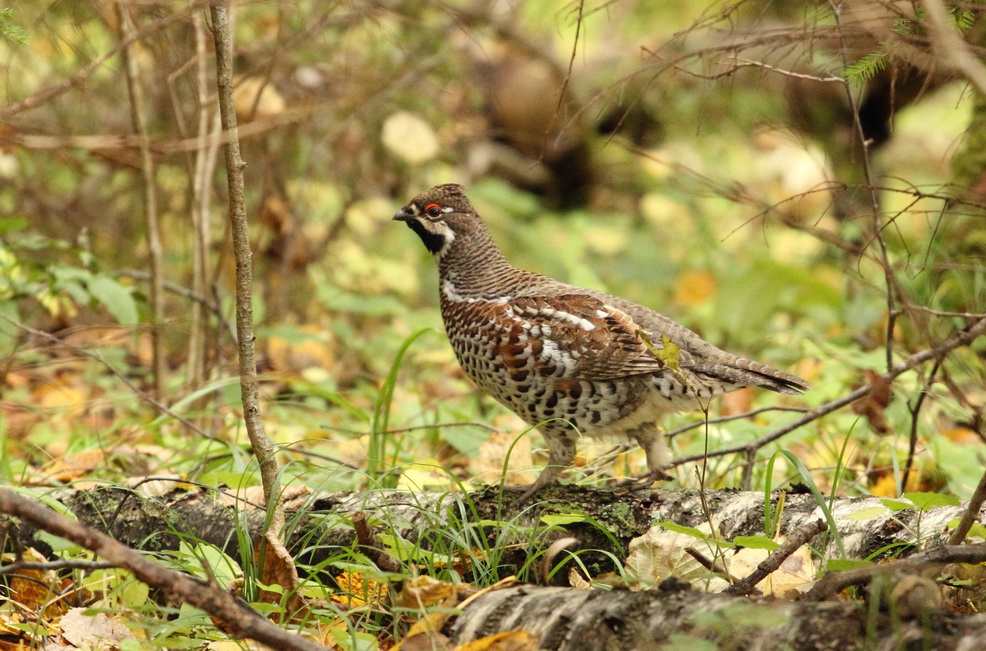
568	360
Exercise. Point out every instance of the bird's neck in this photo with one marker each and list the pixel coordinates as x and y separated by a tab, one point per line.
475	268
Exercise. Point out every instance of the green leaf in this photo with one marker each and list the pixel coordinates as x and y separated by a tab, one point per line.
978	530
896	505
867	67
116	298
9	30
927	501
868	513
560	519
756	542
819	499
842	564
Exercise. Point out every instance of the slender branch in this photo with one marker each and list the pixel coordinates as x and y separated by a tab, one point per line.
154	246
774	560
60	564
962	338
206	157
726	419
971	514
185	292
956	53
914	410
833	582
250	394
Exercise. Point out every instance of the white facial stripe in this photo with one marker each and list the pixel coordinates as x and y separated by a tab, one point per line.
448	237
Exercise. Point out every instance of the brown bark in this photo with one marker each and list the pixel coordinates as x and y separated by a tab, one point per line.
564	619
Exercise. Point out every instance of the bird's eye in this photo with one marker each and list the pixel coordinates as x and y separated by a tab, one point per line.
433	210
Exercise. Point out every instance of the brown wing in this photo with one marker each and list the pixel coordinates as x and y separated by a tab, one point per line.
591	339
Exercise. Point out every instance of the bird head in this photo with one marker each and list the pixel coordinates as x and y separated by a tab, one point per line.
439	216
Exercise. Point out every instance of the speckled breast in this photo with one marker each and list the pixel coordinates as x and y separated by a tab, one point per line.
525	373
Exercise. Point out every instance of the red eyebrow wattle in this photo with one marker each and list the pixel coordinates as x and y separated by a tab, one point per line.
432	205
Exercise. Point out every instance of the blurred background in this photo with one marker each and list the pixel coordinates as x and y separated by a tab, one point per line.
798	182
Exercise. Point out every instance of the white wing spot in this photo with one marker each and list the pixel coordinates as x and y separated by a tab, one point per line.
583	323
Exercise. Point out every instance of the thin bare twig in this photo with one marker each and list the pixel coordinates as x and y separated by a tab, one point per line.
747	63
726	419
249	385
833	582
710	564
206	157
154	246
914	410
962	338
191	295
774	560
371	546
955	52
971	514
60	564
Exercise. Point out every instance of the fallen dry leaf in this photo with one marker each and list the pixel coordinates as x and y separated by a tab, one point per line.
73	466
93	631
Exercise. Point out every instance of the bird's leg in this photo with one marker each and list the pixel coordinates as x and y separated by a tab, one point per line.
651	439
561	454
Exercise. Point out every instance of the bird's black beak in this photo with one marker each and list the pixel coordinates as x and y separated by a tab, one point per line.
402	216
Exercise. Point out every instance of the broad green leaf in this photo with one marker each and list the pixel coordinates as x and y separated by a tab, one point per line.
117	299
756	542
896	505
926	501
559	519
8	224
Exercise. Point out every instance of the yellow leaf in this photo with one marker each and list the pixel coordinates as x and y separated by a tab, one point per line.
507	641
355	591
424	591
73	466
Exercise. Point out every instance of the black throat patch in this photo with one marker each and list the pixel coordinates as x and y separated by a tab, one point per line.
433	242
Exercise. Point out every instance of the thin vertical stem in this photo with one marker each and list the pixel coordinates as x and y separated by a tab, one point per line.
262	447
154	246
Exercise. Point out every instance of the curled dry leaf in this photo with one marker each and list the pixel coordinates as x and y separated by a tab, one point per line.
506	641
425	591
548	560
874	404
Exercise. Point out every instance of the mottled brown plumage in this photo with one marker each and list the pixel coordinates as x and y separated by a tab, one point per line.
565	359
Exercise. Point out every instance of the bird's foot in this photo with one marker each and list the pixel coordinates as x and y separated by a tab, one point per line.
642	483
